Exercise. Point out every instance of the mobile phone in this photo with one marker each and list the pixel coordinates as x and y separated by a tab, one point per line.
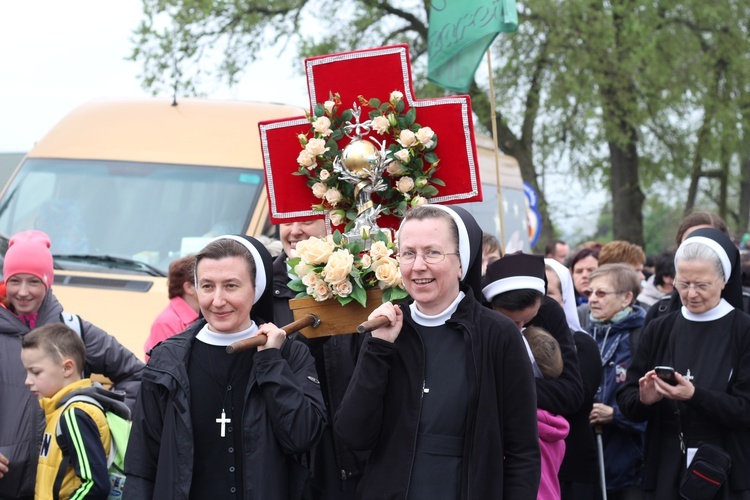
666	373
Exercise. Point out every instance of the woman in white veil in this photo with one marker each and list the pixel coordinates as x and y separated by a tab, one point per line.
568	301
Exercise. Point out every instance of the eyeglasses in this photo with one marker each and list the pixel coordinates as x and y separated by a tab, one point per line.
600	293
684	286
429	257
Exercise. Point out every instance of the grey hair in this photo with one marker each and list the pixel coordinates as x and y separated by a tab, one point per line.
690	252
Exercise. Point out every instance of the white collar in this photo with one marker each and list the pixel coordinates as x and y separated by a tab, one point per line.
438	320
224	339
717	312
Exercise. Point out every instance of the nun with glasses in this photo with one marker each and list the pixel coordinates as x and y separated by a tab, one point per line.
443	396
209	424
707	400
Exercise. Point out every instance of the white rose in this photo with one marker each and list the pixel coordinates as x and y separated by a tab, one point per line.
323	126
329	106
306	159
324	175
337	218
424	135
395	96
380	124
421	182
366	261
314	250
406	138
343	289
333	196
302	139
316	147
387	272
402	155
395	168
338	267
319	189
418	200
302	269
321	291
310	280
405	184
378	250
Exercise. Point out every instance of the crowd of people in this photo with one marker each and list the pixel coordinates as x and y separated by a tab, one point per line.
581	374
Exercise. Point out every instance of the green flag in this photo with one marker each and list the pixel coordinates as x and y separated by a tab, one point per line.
459	35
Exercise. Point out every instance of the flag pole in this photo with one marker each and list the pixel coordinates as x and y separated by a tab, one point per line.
497	154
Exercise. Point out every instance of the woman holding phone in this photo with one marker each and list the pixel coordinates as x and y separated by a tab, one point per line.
707	343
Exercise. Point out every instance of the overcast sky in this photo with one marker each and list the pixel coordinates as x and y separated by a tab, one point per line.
55	55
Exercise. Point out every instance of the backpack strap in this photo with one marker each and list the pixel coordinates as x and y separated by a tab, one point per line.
87	399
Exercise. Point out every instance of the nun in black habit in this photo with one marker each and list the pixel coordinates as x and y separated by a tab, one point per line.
209	424
707	342
515	286
443	396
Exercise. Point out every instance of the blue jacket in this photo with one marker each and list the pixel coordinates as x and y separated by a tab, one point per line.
623	438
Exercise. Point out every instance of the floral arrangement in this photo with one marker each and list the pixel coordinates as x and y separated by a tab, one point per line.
411	160
332	267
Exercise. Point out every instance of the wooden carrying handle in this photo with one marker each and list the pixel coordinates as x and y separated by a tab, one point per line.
373	324
258	340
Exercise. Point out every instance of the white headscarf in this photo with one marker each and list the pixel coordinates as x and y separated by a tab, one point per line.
568	293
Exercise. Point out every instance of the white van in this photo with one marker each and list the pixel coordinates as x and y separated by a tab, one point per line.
125	187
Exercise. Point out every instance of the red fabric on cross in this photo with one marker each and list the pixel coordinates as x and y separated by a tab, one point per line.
371	73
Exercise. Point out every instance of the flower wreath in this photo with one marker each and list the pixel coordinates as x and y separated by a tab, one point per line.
411	160
333	267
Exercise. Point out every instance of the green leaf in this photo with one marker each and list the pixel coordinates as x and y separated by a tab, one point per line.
374	103
344	300
359	294
292	263
319	110
430	157
337	134
400	106
302	295
296	285
347	115
429	191
381	236
337	237
411	115
436	181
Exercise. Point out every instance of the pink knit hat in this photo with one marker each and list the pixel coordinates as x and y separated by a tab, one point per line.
28	253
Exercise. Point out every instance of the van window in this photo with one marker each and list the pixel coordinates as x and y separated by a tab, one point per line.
148	212
515	229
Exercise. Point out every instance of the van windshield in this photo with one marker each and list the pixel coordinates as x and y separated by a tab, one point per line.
128	211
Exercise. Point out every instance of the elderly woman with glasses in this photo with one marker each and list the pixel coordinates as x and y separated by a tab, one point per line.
615	325
443	396
707	400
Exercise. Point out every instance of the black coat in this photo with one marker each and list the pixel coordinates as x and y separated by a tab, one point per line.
284	415
381	409
335	358
729	411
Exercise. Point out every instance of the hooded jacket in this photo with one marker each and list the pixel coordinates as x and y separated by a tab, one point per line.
553	429
623	438
21	417
284	415
382	407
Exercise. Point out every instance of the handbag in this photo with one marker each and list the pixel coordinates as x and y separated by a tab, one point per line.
706	473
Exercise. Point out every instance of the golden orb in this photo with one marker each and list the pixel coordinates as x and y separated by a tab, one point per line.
359	156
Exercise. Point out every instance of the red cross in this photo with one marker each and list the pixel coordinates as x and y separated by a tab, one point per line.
369	73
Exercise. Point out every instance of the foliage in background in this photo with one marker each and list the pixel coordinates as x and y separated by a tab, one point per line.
637	96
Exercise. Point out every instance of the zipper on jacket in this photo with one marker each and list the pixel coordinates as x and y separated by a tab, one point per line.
419	415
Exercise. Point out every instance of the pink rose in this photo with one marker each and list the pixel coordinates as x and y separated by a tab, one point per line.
316	147
322	126
324	175
395	168
418	200
402	155
343	289
321	291
319	190
337	217
333	196
306	159
425	135
366	261
380	124
406	138
405	184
